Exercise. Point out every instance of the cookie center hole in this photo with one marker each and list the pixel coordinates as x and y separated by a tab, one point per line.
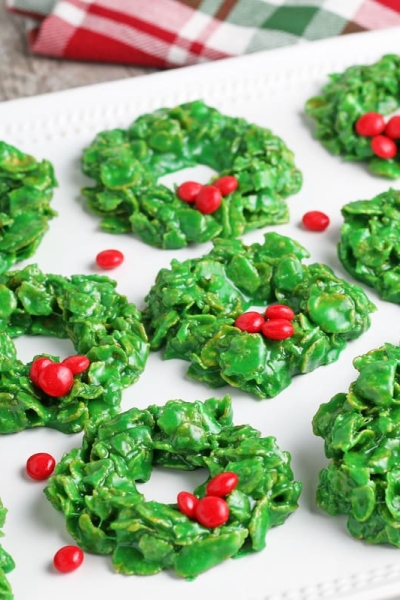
199	173
29	345
165	484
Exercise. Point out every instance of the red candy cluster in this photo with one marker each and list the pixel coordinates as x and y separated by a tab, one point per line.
212	510
372	124
275	324
207	198
56	379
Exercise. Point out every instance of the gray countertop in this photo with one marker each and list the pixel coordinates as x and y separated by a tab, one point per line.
22	74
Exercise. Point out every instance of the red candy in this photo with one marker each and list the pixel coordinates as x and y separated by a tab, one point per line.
37	367
250	321
56	380
187	504
314	220
226	184
279	311
68	559
278	329
369	124
188	191
208	200
383	147
109	259
40	466
212	511
222	484
77	364
392	129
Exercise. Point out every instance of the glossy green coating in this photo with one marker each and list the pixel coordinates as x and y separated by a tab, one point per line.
100	323
361	430
96	487
192	307
26	189
369	246
6	562
126	166
350	94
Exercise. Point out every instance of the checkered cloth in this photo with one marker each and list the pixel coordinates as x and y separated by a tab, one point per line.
174	33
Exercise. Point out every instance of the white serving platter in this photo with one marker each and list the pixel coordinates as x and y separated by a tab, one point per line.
310	557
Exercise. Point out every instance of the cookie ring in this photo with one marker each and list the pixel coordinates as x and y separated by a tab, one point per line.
358	90
192	307
100	323
126	166
361	434
369	243
26	189
106	514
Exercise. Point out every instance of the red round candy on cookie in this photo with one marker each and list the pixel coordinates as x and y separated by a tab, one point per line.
188	191
208	200
369	124
250	321
277	329
212	511
226	184
56	380
383	146
392	128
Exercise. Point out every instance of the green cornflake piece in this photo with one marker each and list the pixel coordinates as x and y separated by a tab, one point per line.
26	190
350	94
369	246
95	486
126	166
361	430
192	307
100	323
6	562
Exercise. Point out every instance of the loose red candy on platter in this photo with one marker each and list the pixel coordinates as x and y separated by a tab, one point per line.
40	466
250	321
188	191
277	329
315	220
68	559
383	146
392	128
208	200
222	484
212	511
369	124
226	184
36	368
77	363
187	504
109	259
56	380
279	311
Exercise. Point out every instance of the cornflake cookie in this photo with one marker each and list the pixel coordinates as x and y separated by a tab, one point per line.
101	324
361	429
351	115
6	562
96	488
369	246
127	164
192	309
26	189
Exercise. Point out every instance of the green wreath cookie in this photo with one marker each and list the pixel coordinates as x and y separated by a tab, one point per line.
126	166
369	246
361	430
100	323
95	487
348	96
192	308
26	189
6	562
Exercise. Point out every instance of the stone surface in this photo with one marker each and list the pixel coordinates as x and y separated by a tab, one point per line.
22	74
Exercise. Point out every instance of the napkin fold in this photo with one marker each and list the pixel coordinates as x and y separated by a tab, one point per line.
175	33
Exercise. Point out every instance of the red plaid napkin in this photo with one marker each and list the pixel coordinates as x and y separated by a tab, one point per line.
171	33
